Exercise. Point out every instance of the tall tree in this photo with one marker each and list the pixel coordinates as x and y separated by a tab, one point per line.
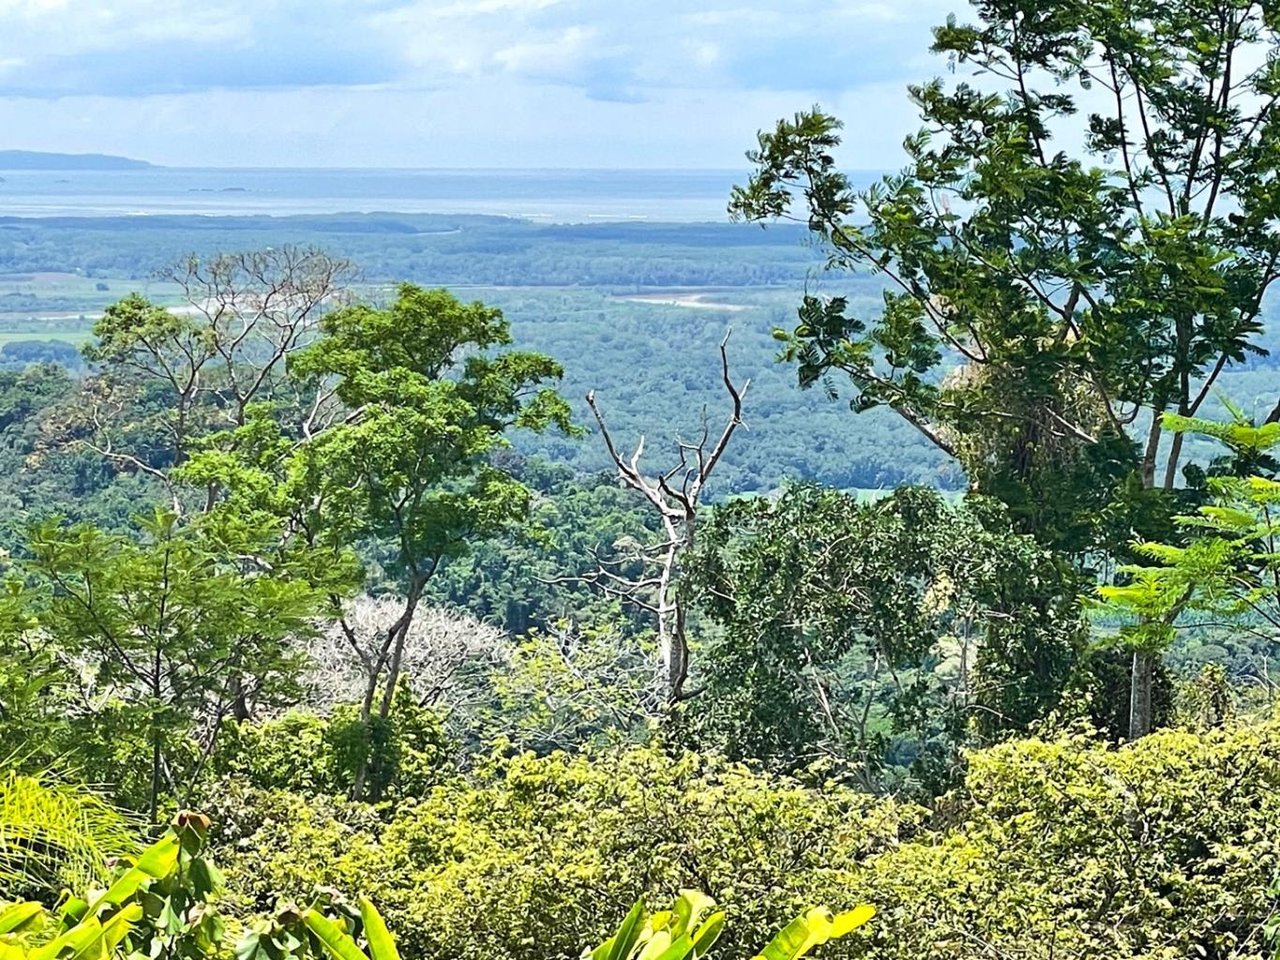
847	628
422	396
175	627
675	497
170	376
1076	292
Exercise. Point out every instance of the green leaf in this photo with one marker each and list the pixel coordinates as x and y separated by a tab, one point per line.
382	946
157	861
708	934
18	915
336	940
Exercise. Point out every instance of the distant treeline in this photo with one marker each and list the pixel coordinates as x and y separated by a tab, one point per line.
429	249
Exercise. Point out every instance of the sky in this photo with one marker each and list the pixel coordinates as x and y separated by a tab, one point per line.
667	84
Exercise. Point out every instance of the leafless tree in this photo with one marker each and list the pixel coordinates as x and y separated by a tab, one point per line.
223	349
348	657
252	309
675	495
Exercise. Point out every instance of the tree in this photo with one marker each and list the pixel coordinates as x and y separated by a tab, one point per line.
178	629
440	649
200	367
675	496
1078	293
420	401
863	630
1228	569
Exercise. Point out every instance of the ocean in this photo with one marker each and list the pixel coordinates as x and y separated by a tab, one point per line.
553	196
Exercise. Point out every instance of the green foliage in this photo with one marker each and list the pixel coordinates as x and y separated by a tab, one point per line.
55	835
1228	569
1159	849
688	931
876	632
531	857
572	687
155	907
410	465
312	755
1073	285
178	630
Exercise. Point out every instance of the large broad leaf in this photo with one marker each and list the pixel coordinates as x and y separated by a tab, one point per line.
656	945
814	928
799	936
336	940
679	948
689	908
18	915
382	946
708	934
157	861
115	929
851	920
620	945
84	941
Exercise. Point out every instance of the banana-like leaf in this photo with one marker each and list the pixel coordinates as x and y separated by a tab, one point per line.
620	945
81	942
658	941
851	920
336	940
689	908
18	915
681	947
799	936
708	934
157	861
382	946
115	929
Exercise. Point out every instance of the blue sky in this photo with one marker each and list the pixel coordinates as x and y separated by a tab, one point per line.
456	83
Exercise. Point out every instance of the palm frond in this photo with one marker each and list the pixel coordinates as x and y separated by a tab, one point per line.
55	835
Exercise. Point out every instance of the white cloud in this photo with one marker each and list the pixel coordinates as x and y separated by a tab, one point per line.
427	82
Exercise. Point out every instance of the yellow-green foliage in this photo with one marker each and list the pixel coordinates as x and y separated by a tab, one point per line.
530	858
1059	849
54	835
1161	849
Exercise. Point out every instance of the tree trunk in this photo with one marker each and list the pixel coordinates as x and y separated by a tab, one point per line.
400	633
155	773
1152	450
1140	720
239	701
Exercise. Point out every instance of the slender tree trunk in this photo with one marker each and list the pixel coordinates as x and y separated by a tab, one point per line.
239	702
155	773
1142	672
1152	450
1140	719
370	764
1171	468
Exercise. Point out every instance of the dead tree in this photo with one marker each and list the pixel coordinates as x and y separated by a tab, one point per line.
223	349
675	496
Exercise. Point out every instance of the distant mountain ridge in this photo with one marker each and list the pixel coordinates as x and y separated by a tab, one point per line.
35	160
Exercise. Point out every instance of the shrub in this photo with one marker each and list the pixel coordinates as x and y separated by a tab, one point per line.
1160	849
529	857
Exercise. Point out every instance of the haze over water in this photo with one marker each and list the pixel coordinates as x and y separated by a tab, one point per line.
548	195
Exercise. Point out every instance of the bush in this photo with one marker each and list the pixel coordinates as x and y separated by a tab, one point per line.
1160	849
1064	848
528	858
318	755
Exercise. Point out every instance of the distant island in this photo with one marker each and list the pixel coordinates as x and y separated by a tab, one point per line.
33	160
